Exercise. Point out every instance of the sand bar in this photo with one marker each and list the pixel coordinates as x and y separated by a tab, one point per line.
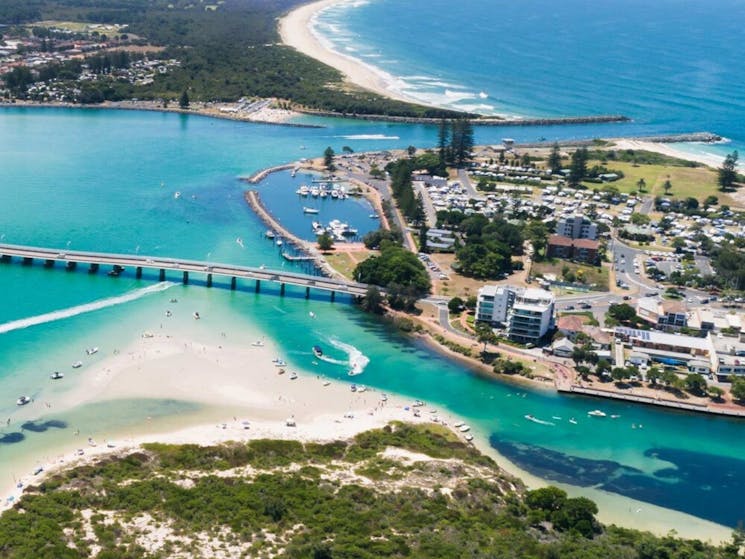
295	31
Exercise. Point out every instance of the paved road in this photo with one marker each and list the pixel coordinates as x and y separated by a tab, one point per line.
465	181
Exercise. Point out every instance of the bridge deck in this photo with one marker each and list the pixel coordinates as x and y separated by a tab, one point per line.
161	263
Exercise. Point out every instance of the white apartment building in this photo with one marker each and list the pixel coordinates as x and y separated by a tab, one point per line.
494	302
576	227
531	316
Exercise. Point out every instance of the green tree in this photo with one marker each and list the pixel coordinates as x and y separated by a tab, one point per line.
537	233
727	174
423	238
455	305
667	186
411	151
578	168
373	300
325	241
621	312
443	140
640	219
641	185
711	200
715	393
328	159
461	141
695	384
737	389
554	159
183	101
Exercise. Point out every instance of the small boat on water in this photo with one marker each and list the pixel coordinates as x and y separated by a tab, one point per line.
293	375
303	190
307	210
573	421
91	350
77	364
173	300
196	315
374	216
239	242
317	351
615	416
596	413
56	375
269	234
312	314
176	195
23	400
279	242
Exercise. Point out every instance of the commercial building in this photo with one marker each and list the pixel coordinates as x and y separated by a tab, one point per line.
531	316
662	313
670	349
576	227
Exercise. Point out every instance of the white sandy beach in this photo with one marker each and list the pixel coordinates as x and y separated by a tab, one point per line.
295	31
669	149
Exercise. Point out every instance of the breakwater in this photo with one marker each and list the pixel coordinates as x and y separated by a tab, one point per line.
478	121
259	176
698	137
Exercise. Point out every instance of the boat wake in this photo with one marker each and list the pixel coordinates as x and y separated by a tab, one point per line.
539	421
357	360
85	308
368	137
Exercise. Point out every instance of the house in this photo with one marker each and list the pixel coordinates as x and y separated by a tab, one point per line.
562	348
571	324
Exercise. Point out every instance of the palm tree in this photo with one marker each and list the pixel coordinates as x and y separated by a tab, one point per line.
641	184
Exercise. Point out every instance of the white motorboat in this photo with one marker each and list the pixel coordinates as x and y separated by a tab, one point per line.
269	234
317	351
91	350
177	195
307	210
23	400
459	424
464	428
469	437
573	421
279	242
196	316
303	190
77	364
56	375
293	375
596	413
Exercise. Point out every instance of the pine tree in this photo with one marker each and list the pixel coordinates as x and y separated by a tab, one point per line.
554	159
727	172
183	102
443	137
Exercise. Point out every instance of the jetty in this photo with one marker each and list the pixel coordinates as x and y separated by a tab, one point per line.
259	176
50	257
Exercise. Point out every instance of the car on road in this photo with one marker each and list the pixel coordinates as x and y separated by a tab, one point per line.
569	308
626	297
585	306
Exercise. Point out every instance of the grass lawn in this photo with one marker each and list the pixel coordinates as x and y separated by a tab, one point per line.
343	262
696	182
595	277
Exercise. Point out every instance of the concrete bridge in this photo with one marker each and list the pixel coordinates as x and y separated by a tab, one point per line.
119	262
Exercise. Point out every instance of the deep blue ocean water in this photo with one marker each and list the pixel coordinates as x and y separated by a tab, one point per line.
671	65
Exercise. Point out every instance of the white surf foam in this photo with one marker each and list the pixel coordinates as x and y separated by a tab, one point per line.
85	308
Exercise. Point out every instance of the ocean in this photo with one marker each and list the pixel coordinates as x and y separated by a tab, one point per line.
670	65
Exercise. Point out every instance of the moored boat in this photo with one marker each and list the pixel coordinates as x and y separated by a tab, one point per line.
596	413
56	375
77	364
307	210
91	350
317	351
269	234
23	400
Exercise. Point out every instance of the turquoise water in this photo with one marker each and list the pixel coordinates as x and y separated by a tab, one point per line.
670	65
106	181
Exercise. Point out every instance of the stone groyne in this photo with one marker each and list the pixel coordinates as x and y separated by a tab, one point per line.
259	176
698	137
478	121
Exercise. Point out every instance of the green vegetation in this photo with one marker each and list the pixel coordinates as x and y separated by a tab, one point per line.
594	277
292	500
488	246
229	51
727	174
399	271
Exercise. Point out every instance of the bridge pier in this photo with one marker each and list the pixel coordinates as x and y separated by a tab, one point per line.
186	278
282	289
93	268
307	292
333	296
70	266
257	288
138	272
209	280
162	275
27	261
232	283
48	263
